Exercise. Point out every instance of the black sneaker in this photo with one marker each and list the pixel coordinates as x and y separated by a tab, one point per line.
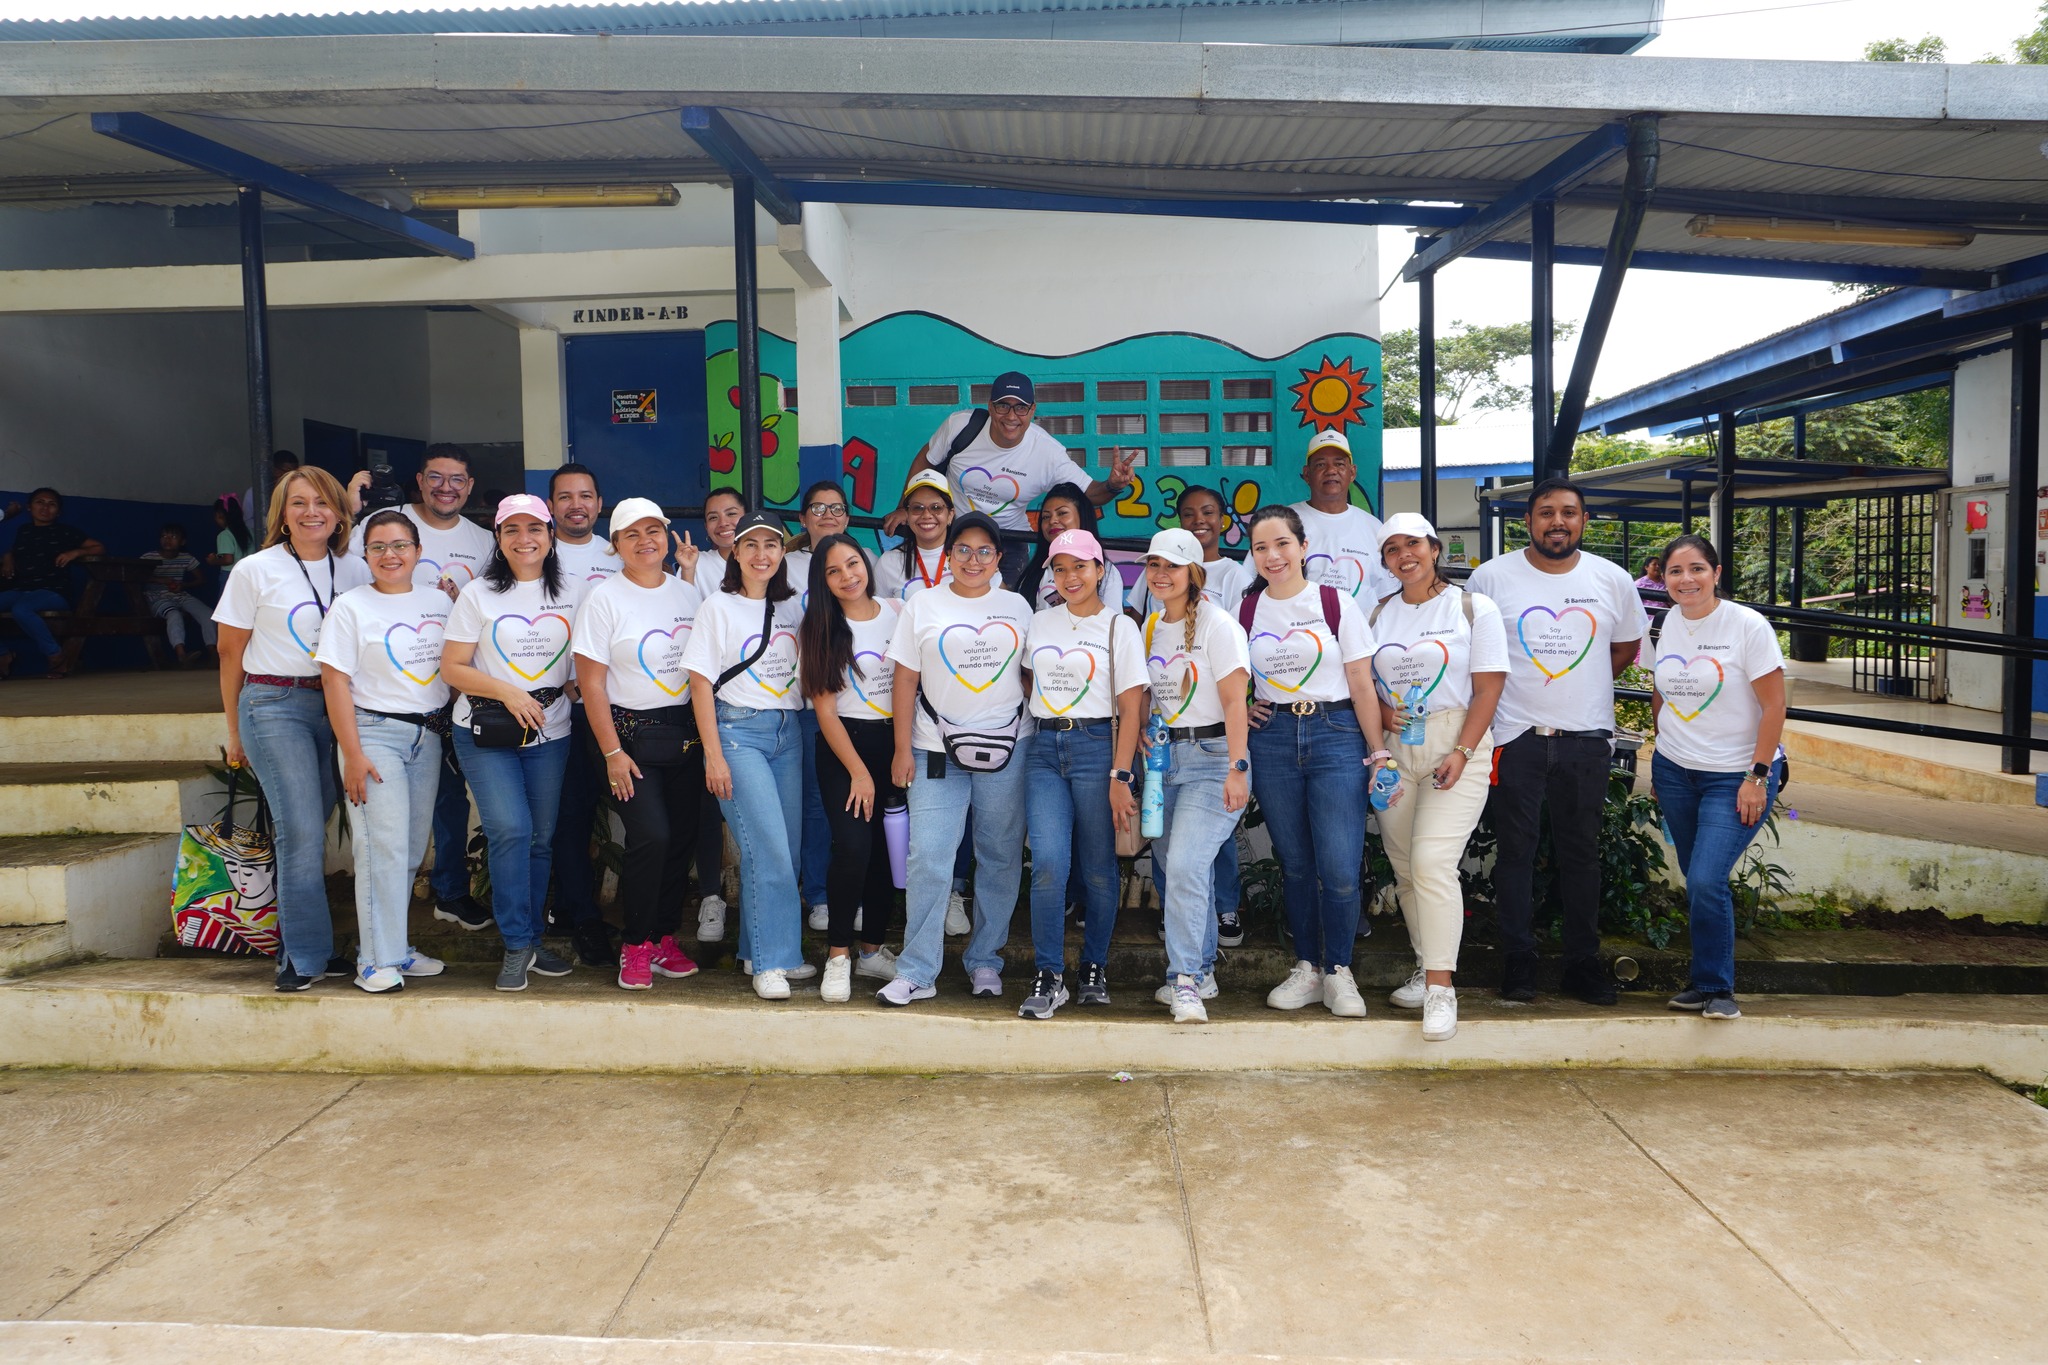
339	966
1688	999
1094	985
289	980
593	944
466	912
1518	977
547	962
1587	980
1048	993
1229	929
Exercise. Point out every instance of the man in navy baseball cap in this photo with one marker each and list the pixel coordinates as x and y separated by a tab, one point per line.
1013	385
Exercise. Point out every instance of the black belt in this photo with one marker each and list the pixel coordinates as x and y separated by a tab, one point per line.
1196	732
1548	733
1311	708
1071	722
423	719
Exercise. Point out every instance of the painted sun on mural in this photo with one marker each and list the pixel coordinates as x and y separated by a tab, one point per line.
1331	396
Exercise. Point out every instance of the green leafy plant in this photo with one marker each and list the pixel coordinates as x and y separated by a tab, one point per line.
1761	883
1633	715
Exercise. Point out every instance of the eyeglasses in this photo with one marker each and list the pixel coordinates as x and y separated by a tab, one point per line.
390	547
975	554
925	509
446	480
825	509
1011	405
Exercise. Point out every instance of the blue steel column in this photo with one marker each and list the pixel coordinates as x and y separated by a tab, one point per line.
1542	326
1724	501
747	286
2022	482
256	350
1425	374
1797	597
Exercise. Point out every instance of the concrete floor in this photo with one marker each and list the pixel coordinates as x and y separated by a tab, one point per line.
1515	1215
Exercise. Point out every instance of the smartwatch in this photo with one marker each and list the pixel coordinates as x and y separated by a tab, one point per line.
1122	775
1240	765
1760	771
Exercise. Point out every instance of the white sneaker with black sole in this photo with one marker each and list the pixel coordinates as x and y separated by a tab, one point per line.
1410	995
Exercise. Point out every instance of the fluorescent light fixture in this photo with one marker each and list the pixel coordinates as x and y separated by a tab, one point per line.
1728	227
546	197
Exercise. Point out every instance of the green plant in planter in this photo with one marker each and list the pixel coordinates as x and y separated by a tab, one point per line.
1761	882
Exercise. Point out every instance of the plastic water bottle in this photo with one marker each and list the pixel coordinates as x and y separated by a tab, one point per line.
1413	730
896	833
1152	811
1385	783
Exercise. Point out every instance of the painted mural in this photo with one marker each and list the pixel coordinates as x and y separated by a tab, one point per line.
781	477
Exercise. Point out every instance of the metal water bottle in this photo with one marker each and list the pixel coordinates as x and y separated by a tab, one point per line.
1413	729
896	832
1152	809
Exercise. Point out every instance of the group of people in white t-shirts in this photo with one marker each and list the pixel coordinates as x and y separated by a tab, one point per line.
865	721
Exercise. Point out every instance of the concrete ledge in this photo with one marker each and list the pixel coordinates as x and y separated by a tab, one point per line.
1928	777
32	947
181	736
112	891
180	1015
105	798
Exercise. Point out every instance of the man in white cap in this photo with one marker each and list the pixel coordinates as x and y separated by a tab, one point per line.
1343	541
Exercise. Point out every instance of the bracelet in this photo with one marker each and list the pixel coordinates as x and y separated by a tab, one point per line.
614	753
1377	754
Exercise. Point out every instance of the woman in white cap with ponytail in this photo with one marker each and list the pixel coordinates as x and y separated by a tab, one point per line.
1440	664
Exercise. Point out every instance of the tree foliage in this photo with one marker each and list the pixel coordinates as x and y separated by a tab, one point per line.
1470	364
2029	49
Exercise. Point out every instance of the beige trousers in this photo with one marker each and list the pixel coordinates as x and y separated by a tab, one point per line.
1425	835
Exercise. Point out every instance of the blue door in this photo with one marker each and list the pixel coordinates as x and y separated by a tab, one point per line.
636	414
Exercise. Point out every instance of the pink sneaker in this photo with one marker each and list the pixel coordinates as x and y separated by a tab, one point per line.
672	961
636	961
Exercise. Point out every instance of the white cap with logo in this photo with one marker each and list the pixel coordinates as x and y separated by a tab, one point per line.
636	509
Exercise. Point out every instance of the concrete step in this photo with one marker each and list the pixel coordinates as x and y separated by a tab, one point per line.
106	798
32	947
179	1014
173	736
110	893
1868	756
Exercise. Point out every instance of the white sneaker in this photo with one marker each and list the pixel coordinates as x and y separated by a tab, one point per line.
957	921
711	919
772	985
1303	986
821	917
838	984
377	979
1187	1002
1408	995
1439	1014
418	963
1340	994
901	991
880	964
803	971
1207	990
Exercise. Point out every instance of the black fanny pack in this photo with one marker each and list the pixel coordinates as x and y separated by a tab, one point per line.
493	726
656	739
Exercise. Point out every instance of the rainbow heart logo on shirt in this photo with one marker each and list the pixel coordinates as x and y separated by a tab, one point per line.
1396	668
544	637
1346	573
671	666
415	649
1556	640
993	479
1285	664
1162	686
310	640
855	674
781	665
981	653
1685	681
1065	677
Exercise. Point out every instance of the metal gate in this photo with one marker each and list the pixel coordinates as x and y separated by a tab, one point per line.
1892	558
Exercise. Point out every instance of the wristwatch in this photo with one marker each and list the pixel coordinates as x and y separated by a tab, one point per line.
1759	773
1122	775
1240	765
1466	750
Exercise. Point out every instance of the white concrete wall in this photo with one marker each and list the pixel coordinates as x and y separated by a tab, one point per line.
473	373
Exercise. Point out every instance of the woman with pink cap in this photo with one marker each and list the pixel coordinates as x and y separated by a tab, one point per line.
508	656
1087	698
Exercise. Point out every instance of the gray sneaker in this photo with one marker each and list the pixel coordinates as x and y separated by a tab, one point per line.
1721	1007
512	975
1048	993
1094	985
548	963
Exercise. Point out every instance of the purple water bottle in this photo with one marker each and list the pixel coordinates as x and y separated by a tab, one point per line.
896	831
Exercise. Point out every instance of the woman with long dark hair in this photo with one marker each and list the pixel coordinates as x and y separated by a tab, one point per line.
823	512
512	720
843	649
1065	508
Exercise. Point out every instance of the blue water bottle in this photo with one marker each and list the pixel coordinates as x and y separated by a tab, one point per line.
1385	783
1152	812
1412	728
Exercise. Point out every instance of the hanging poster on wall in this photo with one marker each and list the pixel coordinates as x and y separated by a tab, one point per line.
633	407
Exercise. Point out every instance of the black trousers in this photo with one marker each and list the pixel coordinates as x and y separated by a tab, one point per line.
858	878
711	851
1570	776
661	837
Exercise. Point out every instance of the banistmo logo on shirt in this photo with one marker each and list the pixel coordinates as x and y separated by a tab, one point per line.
1689	686
530	646
661	658
1556	642
415	650
775	671
1062	676
1288	660
977	656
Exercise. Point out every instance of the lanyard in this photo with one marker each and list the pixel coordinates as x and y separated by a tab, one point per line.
929	580
303	573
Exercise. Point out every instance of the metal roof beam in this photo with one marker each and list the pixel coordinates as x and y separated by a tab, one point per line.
1868	209
1841	398
932	194
1587	155
1827	271
724	145
175	144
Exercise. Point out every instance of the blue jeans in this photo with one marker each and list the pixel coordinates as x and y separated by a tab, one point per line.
575	874
1308	773
518	794
765	813
816	852
1197	826
389	831
939	807
1699	812
24	603
291	749
1066	795
449	878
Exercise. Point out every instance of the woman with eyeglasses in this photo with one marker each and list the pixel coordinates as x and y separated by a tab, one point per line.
508	657
742	661
1315	743
824	513
380	668
1065	508
920	562
960	748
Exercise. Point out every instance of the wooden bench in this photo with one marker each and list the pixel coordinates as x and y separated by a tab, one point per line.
87	620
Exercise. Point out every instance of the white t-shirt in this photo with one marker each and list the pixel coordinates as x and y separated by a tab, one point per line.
892	579
269	595
1293	657
1003	484
710	572
638	634
457	554
1069	660
389	645
797	565
589	563
869	691
969	657
1706	671
522	637
1186	683
1428	647
728	627
1112	590
1558	629
1344	551
1224	583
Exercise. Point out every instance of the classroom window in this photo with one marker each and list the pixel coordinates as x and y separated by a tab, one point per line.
1064	423
1247	388
1183	456
1183	423
1063	392
1247	421
1120	391
1120	424
934	395
1183	390
978	395
1247	455
871	395
1108	454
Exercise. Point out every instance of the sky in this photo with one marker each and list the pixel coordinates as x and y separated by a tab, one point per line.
1664	321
